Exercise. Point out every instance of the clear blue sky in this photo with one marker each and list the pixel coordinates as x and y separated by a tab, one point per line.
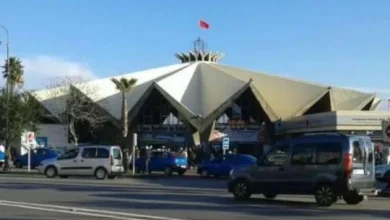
343	43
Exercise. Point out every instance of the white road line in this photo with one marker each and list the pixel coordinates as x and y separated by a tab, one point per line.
83	211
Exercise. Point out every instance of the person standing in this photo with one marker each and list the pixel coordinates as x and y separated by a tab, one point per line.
147	158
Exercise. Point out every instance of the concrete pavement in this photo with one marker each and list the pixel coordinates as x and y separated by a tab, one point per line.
14	213
168	198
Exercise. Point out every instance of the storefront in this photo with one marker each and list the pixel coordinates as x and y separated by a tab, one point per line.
243	138
164	136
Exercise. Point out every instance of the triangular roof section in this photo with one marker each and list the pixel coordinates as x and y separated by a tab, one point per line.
105	94
286	97
347	99
375	104
217	87
184	87
201	88
53	99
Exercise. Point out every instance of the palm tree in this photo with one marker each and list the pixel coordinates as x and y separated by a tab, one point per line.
124	86
15	73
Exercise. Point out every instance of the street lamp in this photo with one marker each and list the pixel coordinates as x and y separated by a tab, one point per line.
7	94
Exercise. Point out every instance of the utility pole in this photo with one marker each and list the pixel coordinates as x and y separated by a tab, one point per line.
7	93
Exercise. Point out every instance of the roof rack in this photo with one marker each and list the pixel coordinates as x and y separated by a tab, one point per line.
323	133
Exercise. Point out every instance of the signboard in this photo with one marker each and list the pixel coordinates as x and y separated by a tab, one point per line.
386	131
338	120
225	143
30	137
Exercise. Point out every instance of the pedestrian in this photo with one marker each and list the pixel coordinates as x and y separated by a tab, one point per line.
147	158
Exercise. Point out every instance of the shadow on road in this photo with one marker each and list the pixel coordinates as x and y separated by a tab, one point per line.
196	199
264	207
102	188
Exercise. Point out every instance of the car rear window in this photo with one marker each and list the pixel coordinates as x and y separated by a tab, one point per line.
116	153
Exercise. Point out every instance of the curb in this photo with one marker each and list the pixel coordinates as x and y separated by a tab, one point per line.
126	176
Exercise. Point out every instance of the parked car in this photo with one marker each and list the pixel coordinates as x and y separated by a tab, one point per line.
223	165
88	160
161	161
36	157
326	165
382	173
2	158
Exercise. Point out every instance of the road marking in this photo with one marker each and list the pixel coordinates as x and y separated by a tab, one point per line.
83	211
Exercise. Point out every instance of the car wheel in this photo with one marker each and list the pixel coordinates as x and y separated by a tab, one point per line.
204	174
18	164
241	190
325	195
51	172
353	198
168	171
100	173
181	172
270	195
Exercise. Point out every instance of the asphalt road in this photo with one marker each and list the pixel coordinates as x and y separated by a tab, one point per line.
161	199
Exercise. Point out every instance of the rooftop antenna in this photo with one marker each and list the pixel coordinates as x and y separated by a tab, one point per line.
199	46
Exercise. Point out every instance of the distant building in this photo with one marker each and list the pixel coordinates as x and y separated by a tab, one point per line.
199	101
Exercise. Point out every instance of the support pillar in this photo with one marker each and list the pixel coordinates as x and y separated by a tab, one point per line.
202	137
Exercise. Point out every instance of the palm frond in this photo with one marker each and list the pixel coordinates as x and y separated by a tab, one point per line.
124	84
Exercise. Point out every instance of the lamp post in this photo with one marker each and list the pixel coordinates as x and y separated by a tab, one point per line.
7	95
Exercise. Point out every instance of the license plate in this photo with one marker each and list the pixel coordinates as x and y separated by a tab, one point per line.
183	166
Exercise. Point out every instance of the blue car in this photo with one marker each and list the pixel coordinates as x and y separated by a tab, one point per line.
2	158
160	161
223	165
37	156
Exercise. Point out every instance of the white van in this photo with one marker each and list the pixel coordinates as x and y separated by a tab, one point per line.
92	160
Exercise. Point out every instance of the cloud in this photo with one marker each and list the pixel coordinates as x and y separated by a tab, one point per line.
40	70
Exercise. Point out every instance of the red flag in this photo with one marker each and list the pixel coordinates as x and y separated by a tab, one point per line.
203	24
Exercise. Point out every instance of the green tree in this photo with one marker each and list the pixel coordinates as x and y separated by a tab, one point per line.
16	72
24	114
124	86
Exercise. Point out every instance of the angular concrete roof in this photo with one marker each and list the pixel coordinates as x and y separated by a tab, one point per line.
202	90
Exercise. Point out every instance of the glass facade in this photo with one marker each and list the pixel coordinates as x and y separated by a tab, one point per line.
159	125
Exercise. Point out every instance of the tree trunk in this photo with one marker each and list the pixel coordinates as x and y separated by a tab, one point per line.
72	132
6	158
124	130
124	116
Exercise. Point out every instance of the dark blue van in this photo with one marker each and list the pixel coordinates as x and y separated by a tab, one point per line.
328	165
